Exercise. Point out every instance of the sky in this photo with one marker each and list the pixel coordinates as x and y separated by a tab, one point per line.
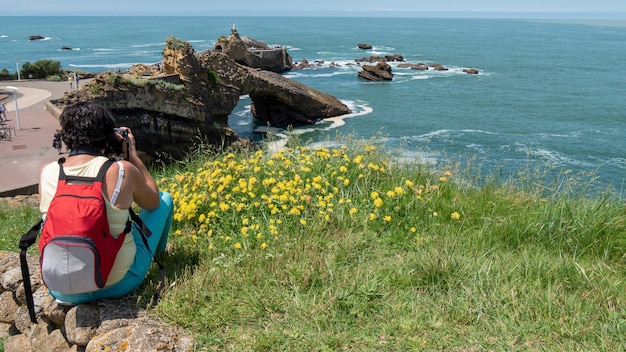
575	8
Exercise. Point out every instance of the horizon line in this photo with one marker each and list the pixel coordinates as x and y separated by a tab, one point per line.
344	13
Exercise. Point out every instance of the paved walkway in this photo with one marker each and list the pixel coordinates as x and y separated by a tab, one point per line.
31	139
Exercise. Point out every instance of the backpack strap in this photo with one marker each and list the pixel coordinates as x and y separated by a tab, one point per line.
100	177
145	233
28	239
118	184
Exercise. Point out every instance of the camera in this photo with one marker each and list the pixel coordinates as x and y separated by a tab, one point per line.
115	146
123	133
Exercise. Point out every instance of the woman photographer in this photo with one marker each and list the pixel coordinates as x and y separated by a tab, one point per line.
88	131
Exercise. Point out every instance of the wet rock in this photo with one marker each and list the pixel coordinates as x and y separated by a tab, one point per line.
114	324
380	72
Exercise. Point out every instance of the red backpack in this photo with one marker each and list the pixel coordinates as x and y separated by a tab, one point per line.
76	245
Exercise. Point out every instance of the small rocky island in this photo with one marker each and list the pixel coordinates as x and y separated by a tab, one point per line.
190	94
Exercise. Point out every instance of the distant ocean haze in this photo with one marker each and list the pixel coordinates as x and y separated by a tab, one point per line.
547	92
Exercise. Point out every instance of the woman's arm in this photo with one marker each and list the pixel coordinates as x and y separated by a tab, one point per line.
144	189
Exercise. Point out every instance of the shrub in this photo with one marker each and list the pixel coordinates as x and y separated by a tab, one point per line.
40	68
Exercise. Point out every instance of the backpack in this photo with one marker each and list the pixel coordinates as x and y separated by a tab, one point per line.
76	245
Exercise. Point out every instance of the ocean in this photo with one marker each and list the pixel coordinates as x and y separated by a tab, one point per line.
549	93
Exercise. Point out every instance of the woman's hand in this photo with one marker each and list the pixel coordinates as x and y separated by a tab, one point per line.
127	140
145	190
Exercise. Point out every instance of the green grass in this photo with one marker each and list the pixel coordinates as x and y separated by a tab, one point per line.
295	252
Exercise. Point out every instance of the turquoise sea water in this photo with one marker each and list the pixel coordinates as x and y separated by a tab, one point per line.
548	92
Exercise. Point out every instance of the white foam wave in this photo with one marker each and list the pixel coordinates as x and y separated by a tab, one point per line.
4	36
244	113
477	147
334	64
381	50
557	135
444	134
619	162
326	74
147	45
359	108
430	135
242	121
554	157
408	156
144	53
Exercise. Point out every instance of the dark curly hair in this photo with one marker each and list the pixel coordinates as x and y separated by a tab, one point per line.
86	124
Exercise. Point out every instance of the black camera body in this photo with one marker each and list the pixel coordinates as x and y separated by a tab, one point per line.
115	146
123	133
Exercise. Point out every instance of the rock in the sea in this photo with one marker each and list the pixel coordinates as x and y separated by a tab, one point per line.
437	67
386	58
36	37
419	66
380	72
364	46
471	71
253	53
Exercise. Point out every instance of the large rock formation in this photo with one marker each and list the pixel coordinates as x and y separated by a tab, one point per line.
253	53
168	106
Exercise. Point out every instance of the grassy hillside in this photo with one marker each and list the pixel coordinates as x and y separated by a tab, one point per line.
347	248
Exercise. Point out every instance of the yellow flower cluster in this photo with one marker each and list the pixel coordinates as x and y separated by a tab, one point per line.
243	202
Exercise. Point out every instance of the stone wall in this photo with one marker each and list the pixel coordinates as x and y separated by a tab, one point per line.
105	325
